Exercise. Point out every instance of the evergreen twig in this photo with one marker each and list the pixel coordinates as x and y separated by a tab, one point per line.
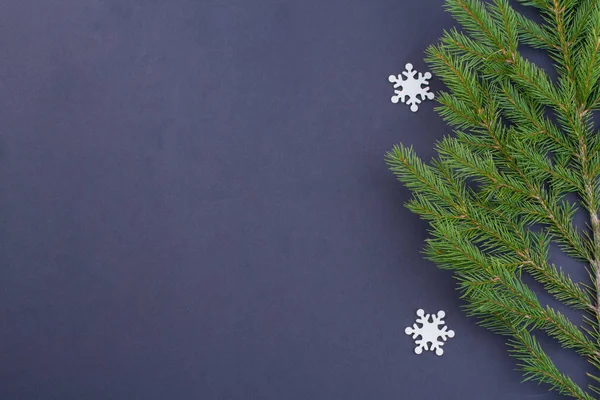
496	195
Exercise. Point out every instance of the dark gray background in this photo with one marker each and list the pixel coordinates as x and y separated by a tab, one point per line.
194	205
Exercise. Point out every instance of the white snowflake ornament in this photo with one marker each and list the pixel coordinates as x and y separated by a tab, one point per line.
430	332
408	90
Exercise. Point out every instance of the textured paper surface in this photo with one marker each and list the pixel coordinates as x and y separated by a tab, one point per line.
194	205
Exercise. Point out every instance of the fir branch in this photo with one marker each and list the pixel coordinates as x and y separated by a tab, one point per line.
537	365
495	195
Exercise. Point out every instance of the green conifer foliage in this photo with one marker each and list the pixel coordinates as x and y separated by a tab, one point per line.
497	193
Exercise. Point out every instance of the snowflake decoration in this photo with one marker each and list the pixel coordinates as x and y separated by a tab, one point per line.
430	332
411	87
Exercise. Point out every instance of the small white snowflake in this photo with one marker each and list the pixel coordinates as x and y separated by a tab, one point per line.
411	87
430	332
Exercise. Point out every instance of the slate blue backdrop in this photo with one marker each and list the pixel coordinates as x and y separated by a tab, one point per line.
194	205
